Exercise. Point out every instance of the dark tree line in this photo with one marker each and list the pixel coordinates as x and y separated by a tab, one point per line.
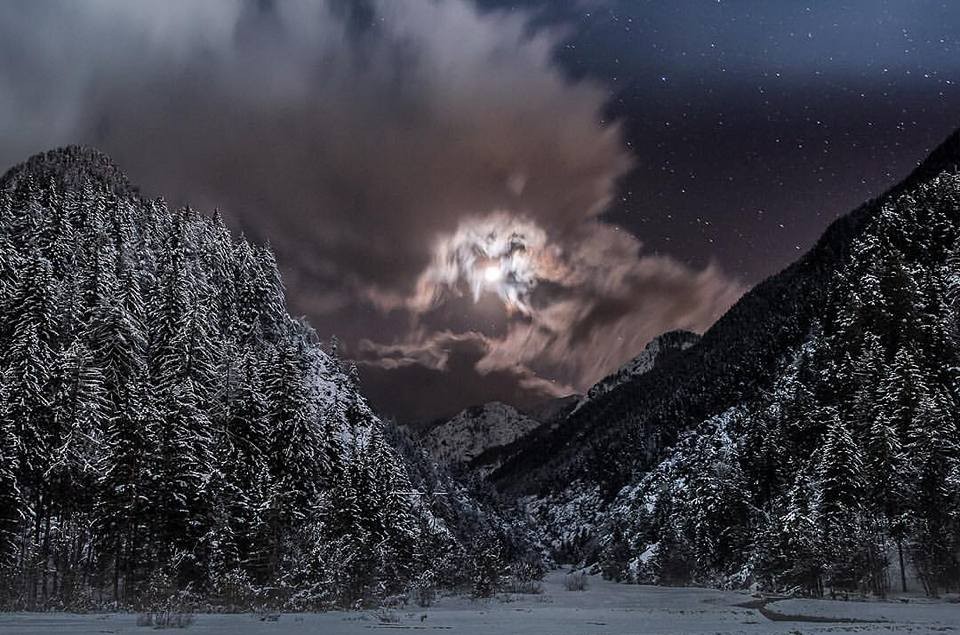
166	426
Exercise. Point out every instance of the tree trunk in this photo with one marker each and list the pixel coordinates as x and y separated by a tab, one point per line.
903	571
45	561
35	547
116	569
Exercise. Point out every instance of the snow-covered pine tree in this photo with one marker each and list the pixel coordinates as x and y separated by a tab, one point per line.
79	419
242	465
933	450
11	504
127	483
840	490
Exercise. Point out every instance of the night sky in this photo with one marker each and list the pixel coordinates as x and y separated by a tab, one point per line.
757	123
496	200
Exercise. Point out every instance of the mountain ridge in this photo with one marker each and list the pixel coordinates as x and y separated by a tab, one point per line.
729	348
808	441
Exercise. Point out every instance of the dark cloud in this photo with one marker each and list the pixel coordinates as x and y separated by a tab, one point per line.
447	369
357	136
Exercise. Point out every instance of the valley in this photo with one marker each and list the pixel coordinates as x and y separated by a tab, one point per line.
604	607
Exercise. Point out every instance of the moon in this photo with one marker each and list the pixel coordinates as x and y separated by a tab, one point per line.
492	274
502	253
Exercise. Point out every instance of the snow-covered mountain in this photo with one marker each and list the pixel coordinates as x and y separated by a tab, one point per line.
655	351
480	438
808	440
474	431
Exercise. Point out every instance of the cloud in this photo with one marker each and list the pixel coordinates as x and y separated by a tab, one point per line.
357	136
443	360
598	301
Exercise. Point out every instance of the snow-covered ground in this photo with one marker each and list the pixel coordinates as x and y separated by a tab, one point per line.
604	608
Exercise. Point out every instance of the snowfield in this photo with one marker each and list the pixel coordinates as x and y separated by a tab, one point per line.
605	608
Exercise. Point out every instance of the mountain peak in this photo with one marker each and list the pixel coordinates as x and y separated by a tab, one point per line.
944	158
478	430
71	166
666	343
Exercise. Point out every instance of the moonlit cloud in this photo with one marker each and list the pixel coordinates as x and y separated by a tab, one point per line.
499	253
431	180
590	300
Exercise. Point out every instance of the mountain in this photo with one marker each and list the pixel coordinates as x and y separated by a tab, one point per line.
462	439
658	349
807	441
479	439
735	359
166	428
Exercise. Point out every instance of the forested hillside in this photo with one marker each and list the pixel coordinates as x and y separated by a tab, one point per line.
166	427
808	441
848	468
610	438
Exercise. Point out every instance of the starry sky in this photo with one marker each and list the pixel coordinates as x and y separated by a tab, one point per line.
492	200
755	124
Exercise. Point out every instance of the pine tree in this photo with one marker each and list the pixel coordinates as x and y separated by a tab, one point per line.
790	553
184	450
392	522
839	502
249	285
11	505
292	448
129	480
247	490
933	450
616	554
10	264
118	340
487	567
345	548
270	292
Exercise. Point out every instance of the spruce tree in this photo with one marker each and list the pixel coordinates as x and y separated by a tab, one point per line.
933	451
839	502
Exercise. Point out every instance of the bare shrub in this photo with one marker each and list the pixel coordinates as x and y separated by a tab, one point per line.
529	587
236	590
164	605
525	577
576	581
165	619
422	595
388	616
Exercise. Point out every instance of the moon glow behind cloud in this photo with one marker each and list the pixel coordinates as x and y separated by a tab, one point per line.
501	253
